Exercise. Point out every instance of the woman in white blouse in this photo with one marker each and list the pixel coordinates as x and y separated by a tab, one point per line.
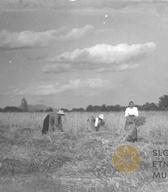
131	110
131	113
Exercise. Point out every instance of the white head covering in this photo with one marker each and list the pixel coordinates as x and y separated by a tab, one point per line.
101	116
60	112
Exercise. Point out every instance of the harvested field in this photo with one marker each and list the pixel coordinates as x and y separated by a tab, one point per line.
76	160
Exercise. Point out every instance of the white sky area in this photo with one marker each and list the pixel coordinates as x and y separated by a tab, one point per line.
72	53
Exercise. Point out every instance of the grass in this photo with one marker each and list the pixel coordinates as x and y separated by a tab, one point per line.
75	160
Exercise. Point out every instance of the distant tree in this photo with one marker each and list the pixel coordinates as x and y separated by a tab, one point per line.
116	108
49	109
65	110
149	107
78	109
89	108
12	109
163	102
1	110
103	108
24	105
154	106
96	108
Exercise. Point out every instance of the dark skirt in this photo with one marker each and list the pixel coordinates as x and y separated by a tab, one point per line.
131	129
46	125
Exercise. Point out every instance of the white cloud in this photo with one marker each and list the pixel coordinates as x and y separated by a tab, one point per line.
101	57
77	33
28	39
54	88
124	67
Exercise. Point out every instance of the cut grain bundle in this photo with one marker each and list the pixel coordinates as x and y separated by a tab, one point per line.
139	121
48	163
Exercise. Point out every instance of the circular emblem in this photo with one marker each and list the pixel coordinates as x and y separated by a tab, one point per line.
126	158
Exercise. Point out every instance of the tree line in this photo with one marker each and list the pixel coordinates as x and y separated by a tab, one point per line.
162	105
18	109
24	107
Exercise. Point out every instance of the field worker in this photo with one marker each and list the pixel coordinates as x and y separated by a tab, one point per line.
99	121
58	123
53	121
131	113
46	124
90	123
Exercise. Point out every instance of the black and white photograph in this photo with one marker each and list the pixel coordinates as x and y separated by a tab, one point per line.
83	95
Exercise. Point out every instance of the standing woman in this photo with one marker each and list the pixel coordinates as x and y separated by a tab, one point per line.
131	113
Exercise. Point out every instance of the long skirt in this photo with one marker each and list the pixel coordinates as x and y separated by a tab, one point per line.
131	130
46	125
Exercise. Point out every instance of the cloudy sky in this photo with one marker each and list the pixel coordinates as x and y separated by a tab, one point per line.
71	53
